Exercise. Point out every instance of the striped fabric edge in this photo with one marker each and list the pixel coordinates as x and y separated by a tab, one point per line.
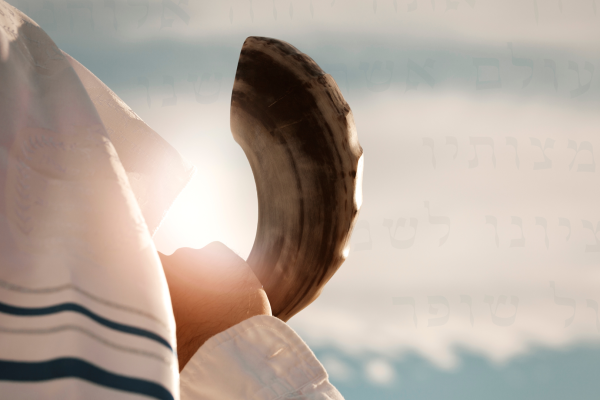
59	368
73	307
70	286
42	331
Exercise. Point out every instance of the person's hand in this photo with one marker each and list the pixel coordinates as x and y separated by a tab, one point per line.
211	289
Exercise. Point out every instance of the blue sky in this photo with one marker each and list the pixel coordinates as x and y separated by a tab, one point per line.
474	111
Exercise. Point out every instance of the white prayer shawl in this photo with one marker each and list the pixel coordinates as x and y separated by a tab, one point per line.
85	311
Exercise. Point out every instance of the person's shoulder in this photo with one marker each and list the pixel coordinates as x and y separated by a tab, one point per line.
261	357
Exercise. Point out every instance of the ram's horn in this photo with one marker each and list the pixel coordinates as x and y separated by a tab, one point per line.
298	133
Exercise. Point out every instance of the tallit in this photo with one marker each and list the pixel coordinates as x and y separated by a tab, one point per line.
84	306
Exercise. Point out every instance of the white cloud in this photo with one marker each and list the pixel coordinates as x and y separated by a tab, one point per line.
380	372
337	369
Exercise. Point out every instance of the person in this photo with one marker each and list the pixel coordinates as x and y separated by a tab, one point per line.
88	308
229	344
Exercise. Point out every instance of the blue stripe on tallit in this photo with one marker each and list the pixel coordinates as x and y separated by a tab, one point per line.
75	368
32	312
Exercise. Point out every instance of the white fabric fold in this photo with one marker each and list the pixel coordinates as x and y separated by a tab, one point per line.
259	358
84	305
157	173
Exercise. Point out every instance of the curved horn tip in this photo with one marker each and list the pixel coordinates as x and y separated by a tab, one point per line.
298	133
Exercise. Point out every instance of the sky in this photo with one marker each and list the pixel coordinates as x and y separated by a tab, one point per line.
474	266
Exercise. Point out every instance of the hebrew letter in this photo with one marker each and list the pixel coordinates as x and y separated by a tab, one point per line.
593	304
210	98
417	69
564	301
582	146
406	301
504	321
581	89
48	21
522	62
364	245
544	224
567	223
481	141
451	5
340	68
175	9
401	244
439	221
549	144
142	80
377	65
85	4
592	248
451	141
438	300
487	62
312	10
22	5
140	3
169	101
412	6
48	7
395	6
552	65
252	11
490	219
511	141
429	143
521	241
467	300
111	4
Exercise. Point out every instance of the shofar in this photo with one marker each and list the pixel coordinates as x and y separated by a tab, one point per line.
298	133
